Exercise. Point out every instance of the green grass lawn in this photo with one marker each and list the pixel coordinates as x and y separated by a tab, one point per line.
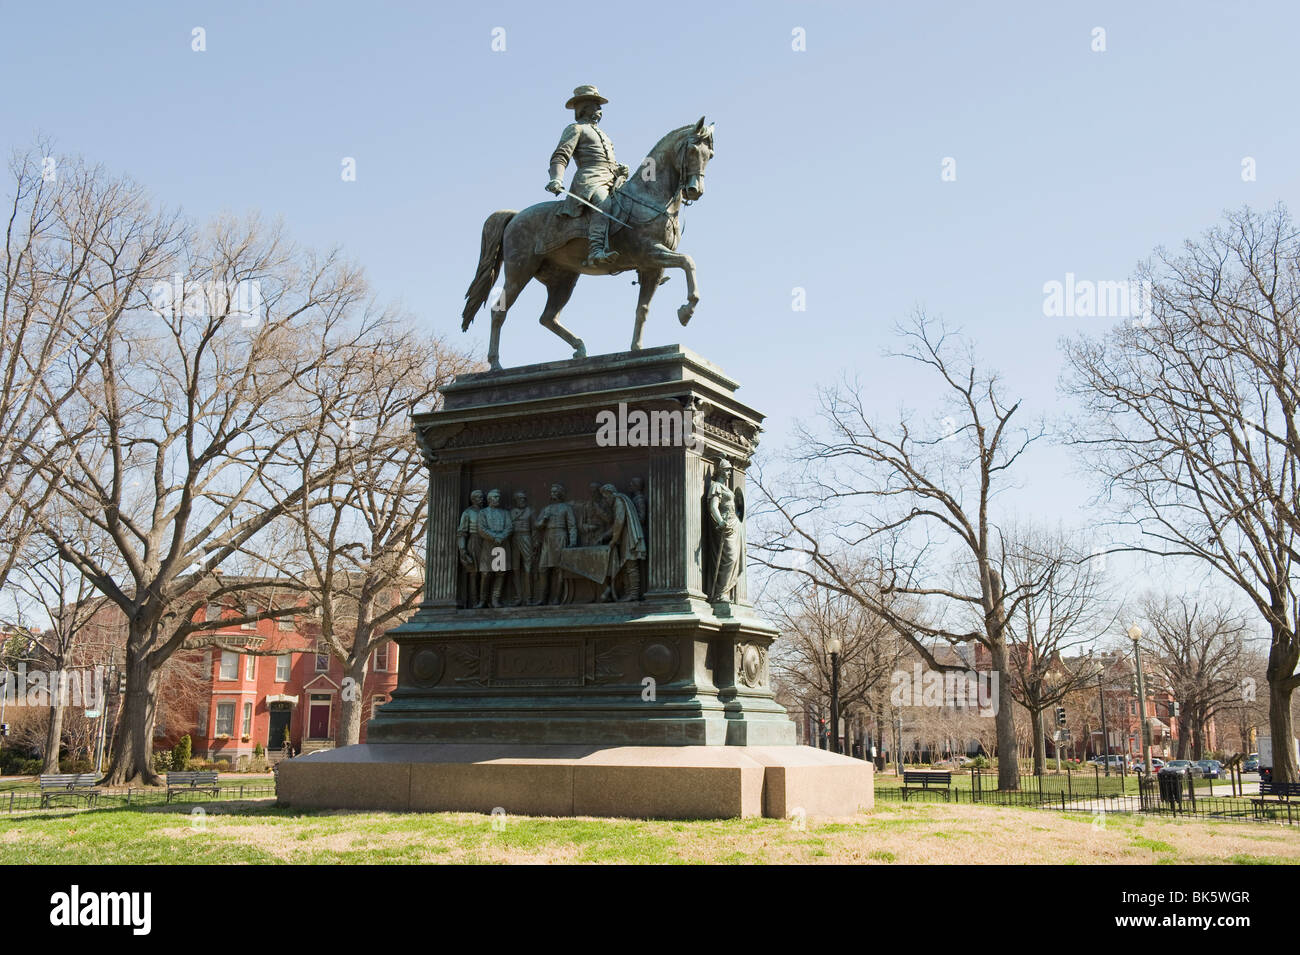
258	832
225	780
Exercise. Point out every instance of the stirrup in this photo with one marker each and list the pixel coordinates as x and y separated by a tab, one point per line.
602	259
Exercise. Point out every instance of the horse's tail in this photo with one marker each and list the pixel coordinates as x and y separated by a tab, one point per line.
489	265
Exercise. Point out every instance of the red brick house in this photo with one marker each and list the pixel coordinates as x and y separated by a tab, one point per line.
253	698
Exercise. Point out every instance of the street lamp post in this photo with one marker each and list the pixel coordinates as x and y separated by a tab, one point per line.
1105	737
834	646
898	745
1135	634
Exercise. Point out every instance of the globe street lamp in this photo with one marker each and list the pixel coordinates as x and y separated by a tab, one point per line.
833	646
1135	634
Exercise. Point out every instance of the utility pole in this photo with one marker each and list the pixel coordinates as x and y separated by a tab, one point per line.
1135	634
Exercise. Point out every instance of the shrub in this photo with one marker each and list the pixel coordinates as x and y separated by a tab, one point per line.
162	761
258	752
181	753
75	766
15	762
980	762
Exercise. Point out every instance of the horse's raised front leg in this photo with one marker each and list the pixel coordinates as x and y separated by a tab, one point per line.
666	258
649	280
559	286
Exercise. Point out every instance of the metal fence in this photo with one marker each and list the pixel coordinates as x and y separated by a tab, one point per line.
25	800
1077	792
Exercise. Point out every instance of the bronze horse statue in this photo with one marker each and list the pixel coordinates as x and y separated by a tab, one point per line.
537	243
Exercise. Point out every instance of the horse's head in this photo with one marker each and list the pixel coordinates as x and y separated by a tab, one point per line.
697	153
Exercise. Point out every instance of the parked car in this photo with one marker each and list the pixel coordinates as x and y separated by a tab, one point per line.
1184	767
1137	766
1209	768
1116	761
1251	765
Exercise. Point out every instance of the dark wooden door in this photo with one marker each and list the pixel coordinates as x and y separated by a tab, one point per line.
279	723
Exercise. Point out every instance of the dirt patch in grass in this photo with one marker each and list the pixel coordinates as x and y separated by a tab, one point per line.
893	833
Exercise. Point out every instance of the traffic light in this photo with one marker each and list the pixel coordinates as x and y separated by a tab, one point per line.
1060	716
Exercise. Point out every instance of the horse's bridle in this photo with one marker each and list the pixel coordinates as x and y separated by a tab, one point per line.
678	200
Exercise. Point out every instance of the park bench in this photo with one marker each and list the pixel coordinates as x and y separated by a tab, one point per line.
926	780
198	781
1274	792
80	785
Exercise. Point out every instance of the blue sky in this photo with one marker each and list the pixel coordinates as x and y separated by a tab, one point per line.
827	174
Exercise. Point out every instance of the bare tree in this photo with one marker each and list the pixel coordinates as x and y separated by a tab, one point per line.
200	413
78	245
1063	608
1197	649
871	650
1190	416
68	602
910	505
360	540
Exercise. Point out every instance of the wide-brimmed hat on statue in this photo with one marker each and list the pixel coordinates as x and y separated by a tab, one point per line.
585	93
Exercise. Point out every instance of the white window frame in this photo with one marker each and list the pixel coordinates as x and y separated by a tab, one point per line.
250	667
285	623
283	668
230	730
232	658
384	646
213	612
247	728
249	610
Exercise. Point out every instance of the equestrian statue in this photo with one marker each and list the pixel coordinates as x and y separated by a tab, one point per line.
610	220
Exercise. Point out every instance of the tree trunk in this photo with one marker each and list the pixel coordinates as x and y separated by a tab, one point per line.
1040	756
1008	766
1280	728
1281	666
353	705
132	758
54	732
